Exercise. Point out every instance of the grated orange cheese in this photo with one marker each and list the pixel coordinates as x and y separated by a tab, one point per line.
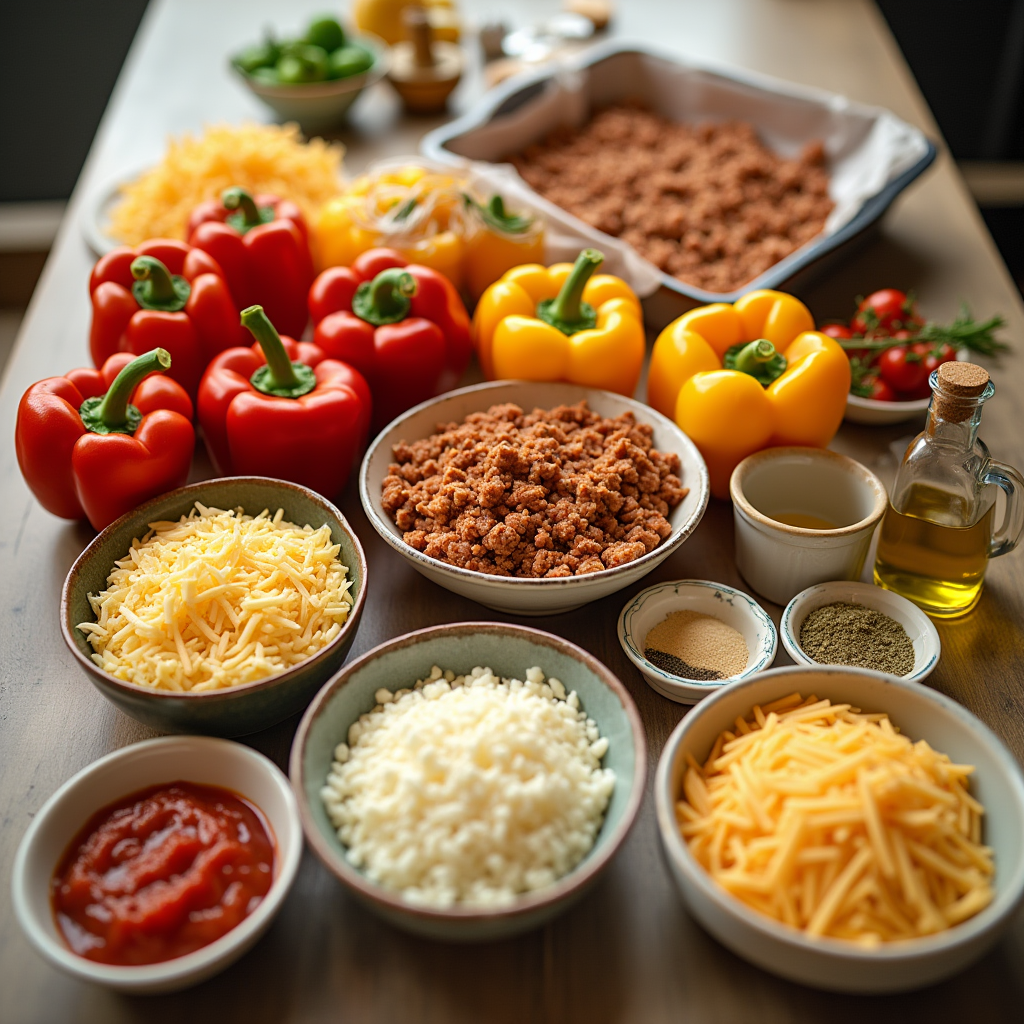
832	822
217	599
257	157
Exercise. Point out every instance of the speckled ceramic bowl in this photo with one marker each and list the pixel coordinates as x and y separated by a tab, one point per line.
828	963
651	606
511	594
242	709
508	650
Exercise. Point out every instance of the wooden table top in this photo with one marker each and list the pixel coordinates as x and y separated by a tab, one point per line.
628	951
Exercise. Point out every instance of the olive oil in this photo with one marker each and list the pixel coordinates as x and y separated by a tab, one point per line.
803	521
927	553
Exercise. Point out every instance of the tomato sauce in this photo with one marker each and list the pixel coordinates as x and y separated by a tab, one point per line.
161	873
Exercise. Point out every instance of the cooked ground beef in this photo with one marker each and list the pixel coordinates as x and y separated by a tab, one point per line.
559	492
708	204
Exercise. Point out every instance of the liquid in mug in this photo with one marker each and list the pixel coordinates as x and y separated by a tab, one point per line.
929	554
803	521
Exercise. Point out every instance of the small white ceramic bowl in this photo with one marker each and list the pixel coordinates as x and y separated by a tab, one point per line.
530	596
873	413
779	560
201	759
920	629
640	615
920	713
321	105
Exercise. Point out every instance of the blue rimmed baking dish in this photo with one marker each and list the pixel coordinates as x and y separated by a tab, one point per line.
872	154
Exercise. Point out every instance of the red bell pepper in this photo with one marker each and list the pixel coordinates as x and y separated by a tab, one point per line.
282	408
97	443
403	326
162	294
262	245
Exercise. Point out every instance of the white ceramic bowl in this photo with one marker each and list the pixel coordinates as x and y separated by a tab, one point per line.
320	105
640	615
920	713
872	413
779	560
529	596
919	627
201	759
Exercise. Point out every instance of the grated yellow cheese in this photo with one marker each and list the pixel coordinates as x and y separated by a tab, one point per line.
259	158
830	821
217	599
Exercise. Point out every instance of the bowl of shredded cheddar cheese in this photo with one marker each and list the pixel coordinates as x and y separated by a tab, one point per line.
217	608
843	828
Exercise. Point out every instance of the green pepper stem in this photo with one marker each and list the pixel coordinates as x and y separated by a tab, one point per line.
748	357
282	372
385	299
566	306
238	199
758	359
156	287
111	413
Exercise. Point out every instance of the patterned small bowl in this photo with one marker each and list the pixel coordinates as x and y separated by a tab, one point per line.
733	607
920	629
238	710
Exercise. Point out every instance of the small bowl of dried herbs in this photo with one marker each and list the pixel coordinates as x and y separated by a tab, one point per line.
860	625
690	637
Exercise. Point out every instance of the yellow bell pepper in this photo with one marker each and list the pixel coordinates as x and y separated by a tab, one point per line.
751	375
497	241
364	217
561	323
384	18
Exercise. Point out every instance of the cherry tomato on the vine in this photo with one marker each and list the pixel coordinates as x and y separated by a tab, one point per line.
902	369
878	390
838	331
886	311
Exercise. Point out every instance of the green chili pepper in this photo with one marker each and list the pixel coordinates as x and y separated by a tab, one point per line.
325	32
350	60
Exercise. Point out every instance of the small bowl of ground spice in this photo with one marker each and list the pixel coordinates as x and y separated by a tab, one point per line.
690	637
861	625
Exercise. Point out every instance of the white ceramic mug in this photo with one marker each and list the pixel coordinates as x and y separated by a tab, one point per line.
779	560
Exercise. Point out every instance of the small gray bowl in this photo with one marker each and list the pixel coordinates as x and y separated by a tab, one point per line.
239	710
509	650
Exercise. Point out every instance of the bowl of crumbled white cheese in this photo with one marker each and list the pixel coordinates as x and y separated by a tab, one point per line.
469	781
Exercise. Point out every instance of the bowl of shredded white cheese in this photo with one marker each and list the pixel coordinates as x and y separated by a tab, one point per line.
217	608
469	781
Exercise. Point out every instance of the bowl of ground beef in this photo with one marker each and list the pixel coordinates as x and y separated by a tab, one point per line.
533	498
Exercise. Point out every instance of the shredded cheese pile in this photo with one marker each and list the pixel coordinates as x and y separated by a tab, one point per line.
259	158
832	822
217	599
470	789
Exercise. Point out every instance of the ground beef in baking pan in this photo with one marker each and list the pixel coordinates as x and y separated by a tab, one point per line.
559	492
708	203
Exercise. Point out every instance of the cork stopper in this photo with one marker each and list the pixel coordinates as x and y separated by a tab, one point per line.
959	384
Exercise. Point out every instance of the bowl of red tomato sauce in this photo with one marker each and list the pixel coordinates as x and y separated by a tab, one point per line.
158	865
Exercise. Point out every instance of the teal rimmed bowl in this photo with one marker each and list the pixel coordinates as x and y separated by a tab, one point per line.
509	650
238	710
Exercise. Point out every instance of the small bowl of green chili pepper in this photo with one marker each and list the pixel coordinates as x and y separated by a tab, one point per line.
315	78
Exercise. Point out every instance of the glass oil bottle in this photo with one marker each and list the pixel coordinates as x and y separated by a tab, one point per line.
938	533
